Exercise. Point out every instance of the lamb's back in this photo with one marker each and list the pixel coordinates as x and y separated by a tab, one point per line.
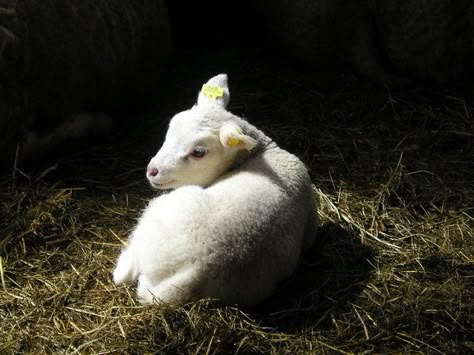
258	217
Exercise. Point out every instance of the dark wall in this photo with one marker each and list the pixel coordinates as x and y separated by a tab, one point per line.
389	42
211	23
64	56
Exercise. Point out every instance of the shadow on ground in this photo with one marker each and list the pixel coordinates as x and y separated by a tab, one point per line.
332	275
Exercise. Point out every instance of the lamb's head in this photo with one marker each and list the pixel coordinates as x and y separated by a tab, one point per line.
202	143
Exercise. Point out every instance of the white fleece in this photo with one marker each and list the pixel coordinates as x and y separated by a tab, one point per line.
234	231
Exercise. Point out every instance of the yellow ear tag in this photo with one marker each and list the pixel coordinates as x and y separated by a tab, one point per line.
233	142
213	92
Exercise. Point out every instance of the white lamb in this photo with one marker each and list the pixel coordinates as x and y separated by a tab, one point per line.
238	219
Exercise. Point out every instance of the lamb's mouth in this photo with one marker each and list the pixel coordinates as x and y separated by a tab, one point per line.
162	185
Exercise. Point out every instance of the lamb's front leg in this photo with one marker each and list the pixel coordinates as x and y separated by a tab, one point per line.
125	271
178	289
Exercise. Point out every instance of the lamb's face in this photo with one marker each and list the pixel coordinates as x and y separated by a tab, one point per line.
195	152
201	143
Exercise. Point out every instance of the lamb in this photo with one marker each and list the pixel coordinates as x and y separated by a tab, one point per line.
241	212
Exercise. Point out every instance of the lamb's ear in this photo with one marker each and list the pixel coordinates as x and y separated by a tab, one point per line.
231	136
215	92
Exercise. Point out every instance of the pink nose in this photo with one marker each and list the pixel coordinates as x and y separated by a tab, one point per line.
152	171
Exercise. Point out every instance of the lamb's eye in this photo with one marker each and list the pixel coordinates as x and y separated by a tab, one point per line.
198	152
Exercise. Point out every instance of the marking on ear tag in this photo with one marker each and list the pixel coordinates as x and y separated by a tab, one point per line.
233	142
213	92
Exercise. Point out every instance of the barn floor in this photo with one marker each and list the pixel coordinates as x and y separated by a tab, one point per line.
393	267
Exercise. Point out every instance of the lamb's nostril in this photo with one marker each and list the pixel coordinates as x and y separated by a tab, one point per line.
152	171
